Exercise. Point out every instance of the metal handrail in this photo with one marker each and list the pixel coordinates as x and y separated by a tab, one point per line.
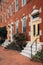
35	45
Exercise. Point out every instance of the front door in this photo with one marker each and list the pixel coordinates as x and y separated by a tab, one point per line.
35	31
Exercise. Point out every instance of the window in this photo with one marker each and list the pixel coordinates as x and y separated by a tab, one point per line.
23	2
35	15
10	10
38	29
34	30
24	24
16	5
17	26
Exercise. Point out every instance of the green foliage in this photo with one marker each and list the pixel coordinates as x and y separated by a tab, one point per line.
19	42
38	56
20	39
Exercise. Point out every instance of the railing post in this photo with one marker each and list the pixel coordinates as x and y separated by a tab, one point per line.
35	45
31	51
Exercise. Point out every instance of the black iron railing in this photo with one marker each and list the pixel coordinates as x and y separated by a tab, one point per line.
35	41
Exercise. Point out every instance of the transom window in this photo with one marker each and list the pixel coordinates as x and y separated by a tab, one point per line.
24	24
35	15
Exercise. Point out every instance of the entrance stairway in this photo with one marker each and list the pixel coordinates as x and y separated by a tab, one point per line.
6	43
31	49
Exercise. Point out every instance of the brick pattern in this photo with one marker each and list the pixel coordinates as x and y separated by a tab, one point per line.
23	11
11	57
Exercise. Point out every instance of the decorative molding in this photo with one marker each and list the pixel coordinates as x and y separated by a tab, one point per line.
35	19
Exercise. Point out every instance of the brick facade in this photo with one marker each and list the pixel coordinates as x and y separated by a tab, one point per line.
22	11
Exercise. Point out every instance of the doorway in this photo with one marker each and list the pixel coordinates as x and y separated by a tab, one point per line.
3	34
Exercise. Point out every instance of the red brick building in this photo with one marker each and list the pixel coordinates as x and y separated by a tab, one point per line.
22	16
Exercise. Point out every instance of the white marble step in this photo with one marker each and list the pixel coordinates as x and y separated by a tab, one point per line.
29	52
27	55
29	49
29	44
6	43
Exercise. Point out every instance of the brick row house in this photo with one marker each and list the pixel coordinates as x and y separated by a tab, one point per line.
21	16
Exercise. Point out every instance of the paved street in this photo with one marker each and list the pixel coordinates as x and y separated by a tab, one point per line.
12	57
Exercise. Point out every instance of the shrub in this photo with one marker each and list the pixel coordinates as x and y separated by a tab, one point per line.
19	42
20	39
38	56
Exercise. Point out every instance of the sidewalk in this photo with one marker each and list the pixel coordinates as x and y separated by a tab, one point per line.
12	57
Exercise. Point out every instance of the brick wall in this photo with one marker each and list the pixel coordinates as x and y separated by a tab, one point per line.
23	11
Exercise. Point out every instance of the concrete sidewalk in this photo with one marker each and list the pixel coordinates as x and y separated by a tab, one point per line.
12	57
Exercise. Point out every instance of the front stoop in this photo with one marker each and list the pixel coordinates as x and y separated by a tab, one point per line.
27	50
6	43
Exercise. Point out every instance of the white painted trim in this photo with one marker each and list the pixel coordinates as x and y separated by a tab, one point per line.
21	20
40	10
34	6
29	15
35	11
32	20
40	20
40	32
35	19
